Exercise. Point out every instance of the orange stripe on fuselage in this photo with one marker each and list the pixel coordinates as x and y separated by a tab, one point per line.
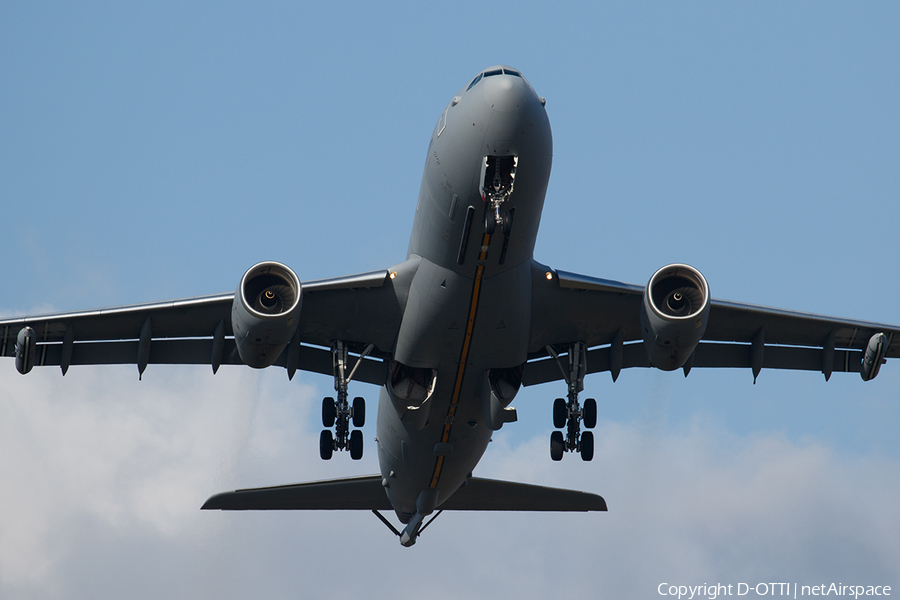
463	357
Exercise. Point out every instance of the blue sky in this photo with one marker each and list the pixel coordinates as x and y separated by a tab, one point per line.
157	152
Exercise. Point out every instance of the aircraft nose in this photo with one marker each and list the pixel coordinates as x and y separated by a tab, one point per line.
506	93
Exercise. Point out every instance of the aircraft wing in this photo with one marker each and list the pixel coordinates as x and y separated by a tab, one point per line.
360	309
569	308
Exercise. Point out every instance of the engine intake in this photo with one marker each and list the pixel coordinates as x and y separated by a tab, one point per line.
265	312
674	313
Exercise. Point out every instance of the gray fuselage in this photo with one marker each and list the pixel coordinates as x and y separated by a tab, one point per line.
468	311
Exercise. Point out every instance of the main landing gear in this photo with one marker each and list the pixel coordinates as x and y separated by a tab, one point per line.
338	413
568	414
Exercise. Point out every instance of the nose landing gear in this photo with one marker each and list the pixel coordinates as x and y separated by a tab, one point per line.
498	177
568	412
339	413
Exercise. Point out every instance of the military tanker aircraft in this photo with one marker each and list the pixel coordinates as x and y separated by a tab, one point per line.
453	332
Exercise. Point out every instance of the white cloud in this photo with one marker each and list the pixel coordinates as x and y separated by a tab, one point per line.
706	506
103	477
127	455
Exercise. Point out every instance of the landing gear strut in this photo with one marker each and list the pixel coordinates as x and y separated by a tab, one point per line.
568	413
498	177
338	413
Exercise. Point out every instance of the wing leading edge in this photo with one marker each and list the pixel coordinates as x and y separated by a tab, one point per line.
571	308
364	309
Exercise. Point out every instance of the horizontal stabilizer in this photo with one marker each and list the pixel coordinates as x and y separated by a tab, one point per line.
492	494
367	493
351	493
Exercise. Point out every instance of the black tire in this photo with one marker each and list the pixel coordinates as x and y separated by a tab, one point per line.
359	412
589	413
587	446
356	444
560	413
329	412
507	222
326	444
489	222
557	445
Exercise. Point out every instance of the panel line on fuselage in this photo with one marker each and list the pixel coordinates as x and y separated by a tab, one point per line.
463	357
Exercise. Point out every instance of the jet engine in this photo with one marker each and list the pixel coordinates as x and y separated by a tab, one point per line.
674	313
265	312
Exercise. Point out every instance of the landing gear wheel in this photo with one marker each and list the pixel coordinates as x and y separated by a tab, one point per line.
560	413
506	228
587	446
359	412
329	412
326	444
489	222
590	413
557	445
356	444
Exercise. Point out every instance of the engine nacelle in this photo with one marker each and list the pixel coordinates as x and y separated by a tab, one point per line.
265	312
674	313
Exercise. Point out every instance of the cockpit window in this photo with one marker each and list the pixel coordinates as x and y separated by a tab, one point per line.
512	72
